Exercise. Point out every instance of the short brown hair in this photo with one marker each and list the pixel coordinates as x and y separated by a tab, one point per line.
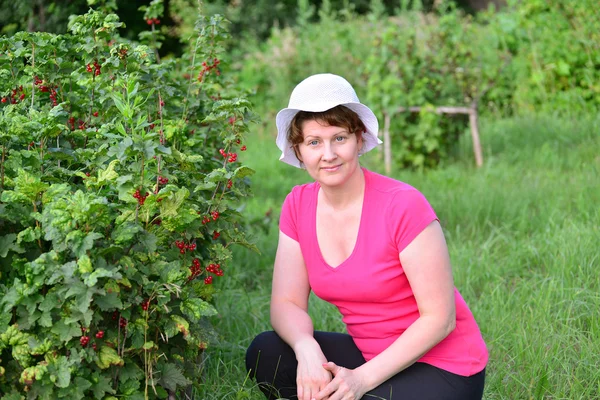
339	116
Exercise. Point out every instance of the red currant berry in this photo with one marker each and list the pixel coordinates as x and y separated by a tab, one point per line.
208	280
243	148
3	100
100	334
95	114
229	184
84	340
216	235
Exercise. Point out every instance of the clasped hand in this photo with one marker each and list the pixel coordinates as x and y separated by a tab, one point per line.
345	385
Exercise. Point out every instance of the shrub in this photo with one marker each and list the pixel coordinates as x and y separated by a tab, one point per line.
119	184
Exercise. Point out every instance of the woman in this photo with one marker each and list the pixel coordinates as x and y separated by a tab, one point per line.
372	246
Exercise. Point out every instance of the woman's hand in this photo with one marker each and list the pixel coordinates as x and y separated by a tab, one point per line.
347	384
311	377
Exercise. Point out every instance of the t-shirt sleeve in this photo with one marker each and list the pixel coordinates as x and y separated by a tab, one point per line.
288	217
410	213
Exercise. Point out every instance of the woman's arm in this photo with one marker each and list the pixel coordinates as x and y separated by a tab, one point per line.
426	264
290	319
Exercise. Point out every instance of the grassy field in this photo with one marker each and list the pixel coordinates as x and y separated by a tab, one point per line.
524	239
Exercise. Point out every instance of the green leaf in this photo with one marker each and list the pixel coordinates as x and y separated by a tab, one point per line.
243	172
102	386
92	278
109	302
107	175
85	264
80	247
148	345
65	332
7	243
175	325
60	372
108	356
29	235
171	377
125	232
196	308
170	206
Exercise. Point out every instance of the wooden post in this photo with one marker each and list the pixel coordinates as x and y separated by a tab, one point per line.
387	144
473	124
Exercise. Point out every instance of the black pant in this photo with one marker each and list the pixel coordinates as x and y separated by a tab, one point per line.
273	364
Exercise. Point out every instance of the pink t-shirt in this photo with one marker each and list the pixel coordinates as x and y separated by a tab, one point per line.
370	288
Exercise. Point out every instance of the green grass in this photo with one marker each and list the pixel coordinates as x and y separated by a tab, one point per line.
524	238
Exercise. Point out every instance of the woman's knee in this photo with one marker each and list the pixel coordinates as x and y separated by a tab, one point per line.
263	345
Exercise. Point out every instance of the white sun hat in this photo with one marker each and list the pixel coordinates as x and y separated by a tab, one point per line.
319	93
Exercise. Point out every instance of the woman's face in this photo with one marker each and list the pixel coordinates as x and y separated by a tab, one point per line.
329	153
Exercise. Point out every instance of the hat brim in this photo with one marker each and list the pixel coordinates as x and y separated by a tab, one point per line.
285	116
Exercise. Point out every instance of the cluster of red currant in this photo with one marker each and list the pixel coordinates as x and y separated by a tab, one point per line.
39	83
206	68
154	21
95	70
162	180
182	246
145	304
80	124
140	198
195	269
214	214
215	269
17	94
231	157
216	235
84	340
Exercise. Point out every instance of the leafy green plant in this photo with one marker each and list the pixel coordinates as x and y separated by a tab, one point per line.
119	184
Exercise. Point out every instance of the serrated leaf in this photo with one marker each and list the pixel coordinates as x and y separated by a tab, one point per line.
197	308
107	175
102	386
243	172
7	243
171	377
80	247
92	278
170	206
108	356
175	325
85	264
125	232
148	345
65	332
109	302
59	369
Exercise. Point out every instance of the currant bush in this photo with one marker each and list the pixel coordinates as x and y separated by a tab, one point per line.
114	202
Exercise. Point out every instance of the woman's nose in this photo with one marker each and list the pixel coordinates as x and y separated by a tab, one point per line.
328	152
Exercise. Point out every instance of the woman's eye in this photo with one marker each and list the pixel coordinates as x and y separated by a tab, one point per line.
340	138
313	143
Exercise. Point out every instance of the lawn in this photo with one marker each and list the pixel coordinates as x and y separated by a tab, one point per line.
524	238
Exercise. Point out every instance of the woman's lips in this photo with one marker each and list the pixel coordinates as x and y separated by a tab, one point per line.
331	169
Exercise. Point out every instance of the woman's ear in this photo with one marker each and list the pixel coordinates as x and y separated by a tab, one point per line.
297	153
359	139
